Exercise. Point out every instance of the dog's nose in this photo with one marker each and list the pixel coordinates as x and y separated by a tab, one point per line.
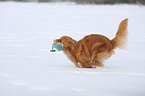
54	41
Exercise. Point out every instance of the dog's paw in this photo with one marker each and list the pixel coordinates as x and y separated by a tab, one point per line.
80	65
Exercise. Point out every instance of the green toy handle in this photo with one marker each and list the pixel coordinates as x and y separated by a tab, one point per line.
52	48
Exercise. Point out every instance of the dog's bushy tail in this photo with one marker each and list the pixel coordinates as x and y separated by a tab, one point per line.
120	41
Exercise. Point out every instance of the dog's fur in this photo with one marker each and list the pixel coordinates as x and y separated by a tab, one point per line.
93	49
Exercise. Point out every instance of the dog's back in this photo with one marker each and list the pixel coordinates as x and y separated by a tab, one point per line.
92	39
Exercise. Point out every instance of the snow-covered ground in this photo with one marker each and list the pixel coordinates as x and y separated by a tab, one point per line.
27	68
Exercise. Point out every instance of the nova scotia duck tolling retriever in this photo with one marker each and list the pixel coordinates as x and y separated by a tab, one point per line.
93	49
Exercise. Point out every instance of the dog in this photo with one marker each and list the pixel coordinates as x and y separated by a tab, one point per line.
93	49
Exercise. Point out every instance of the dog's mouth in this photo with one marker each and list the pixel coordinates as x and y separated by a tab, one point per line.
57	41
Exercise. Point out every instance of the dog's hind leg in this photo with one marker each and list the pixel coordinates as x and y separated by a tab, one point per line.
93	56
90	62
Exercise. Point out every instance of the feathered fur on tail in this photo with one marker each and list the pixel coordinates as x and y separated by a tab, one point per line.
120	41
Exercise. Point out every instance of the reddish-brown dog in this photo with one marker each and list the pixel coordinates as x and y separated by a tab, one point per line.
93	49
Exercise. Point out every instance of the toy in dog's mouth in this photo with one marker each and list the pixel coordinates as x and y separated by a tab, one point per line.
57	46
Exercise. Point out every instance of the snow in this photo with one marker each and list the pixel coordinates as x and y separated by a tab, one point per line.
28	68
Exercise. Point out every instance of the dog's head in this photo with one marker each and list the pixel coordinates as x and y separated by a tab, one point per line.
67	42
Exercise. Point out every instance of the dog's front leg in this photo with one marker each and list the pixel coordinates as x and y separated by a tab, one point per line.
69	56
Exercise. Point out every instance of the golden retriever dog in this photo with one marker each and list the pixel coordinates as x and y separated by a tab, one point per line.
93	49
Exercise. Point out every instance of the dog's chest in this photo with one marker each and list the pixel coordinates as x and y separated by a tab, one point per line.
69	55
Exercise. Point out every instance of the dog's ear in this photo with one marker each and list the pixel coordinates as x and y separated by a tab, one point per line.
73	44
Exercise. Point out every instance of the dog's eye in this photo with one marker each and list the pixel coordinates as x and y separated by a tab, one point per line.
59	40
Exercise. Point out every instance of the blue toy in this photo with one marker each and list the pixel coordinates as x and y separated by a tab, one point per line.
58	46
